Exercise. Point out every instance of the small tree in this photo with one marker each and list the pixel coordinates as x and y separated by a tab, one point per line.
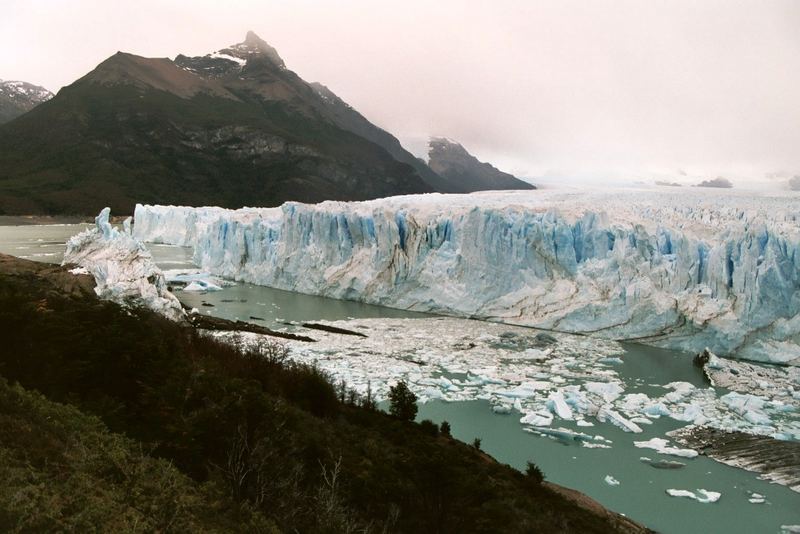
403	402
477	443
534	473
444	428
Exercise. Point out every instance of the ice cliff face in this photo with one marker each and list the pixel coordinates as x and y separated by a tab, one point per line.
123	269
683	270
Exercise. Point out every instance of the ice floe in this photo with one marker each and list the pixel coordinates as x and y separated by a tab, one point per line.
700	495
662	446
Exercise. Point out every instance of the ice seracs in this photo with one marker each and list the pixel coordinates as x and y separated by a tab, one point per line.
683	271
123	269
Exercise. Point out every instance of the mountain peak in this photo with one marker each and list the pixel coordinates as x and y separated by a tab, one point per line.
255	45
251	39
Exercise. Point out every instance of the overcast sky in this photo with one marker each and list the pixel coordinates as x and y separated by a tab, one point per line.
553	86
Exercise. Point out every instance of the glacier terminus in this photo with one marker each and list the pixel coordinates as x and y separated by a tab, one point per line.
683	270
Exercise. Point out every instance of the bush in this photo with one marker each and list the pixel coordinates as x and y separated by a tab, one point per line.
444	428
477	443
534	473
429	427
403	402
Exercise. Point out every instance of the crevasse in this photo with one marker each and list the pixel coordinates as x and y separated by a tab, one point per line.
684	271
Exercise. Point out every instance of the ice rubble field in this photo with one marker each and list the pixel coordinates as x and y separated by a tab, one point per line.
683	270
545	378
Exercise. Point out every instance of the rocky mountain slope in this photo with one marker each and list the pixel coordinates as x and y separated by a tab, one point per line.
231	128
463	173
17	98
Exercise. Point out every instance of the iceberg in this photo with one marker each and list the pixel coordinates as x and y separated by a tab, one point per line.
611	481
703	496
661	446
683	271
123	269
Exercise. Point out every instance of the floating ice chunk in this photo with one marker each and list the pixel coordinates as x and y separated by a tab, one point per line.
641	421
611	481
590	445
656	410
662	464
584	422
202	285
662	446
609	391
501	408
756	498
706	496
565	434
606	414
537	419
79	270
558	405
679	391
703	496
693	413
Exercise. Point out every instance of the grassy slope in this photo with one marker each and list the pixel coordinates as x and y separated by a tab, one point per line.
263	432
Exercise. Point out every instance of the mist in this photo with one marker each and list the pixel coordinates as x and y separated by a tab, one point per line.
556	90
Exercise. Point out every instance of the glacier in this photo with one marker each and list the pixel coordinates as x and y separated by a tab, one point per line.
684	270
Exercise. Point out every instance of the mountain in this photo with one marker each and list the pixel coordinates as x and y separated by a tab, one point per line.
464	173
231	128
17	98
351	120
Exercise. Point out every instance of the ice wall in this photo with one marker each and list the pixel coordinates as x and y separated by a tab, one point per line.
684	271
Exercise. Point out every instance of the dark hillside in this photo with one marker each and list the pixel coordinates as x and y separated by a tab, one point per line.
267	434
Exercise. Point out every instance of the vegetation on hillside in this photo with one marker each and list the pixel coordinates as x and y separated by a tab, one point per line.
246	432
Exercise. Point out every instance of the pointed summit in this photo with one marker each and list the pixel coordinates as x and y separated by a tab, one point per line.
253	44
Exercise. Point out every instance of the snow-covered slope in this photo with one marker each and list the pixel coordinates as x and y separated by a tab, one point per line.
122	267
683	270
18	97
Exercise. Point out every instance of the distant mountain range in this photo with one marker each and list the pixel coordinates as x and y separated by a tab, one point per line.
17	98
231	128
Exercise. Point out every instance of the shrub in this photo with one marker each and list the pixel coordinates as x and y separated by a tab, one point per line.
534	473
429	427
477	443
444	428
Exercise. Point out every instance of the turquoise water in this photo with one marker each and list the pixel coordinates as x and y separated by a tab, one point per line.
641	492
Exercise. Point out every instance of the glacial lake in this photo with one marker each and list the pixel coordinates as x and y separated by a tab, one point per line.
641	493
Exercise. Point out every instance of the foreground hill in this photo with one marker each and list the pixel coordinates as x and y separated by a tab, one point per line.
464	173
17	98
231	128
250	435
